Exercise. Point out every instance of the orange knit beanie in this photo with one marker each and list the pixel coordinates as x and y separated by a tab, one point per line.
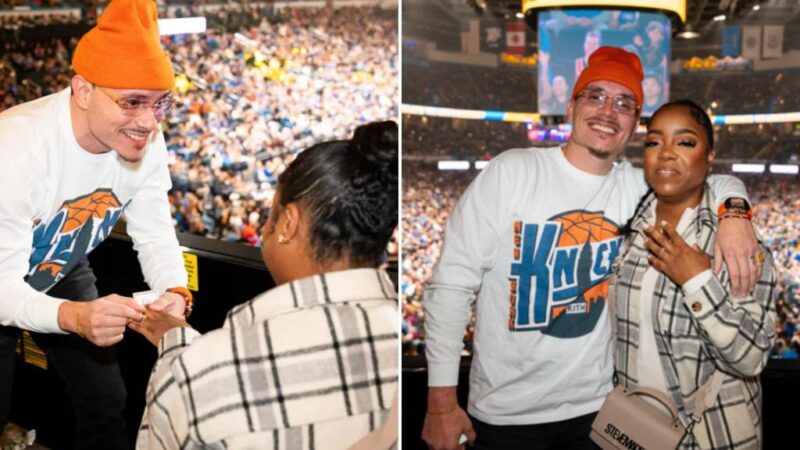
613	64
123	51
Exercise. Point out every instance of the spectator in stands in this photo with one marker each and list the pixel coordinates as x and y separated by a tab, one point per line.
591	42
331	321
70	164
680	327
503	243
555	91
557	104
653	97
588	19
623	20
653	47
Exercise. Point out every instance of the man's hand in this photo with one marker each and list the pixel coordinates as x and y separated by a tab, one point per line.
446	421
736	244
100	321
156	324
170	303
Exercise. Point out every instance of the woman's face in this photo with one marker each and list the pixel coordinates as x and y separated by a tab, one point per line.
676	156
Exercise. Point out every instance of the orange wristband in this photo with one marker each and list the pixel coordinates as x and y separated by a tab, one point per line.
187	297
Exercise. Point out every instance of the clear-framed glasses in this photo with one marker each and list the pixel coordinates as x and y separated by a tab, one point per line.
622	104
133	106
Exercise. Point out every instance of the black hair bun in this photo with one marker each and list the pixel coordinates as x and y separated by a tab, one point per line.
377	143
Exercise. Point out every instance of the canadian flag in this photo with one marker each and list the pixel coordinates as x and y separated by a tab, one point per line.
515	37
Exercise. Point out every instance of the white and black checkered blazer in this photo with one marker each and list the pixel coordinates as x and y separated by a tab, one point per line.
311	364
699	333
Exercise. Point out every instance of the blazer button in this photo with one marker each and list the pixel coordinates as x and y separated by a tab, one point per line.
697	307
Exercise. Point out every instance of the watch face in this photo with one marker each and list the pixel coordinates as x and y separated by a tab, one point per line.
737	203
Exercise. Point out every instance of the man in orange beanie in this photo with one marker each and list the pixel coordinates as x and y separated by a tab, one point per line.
70	165
531	244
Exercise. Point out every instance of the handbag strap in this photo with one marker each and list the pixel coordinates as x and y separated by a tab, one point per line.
611	301
658	396
704	397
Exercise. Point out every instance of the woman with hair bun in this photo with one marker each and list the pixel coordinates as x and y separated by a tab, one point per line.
311	363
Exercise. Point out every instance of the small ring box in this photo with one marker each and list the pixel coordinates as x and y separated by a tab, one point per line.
145	298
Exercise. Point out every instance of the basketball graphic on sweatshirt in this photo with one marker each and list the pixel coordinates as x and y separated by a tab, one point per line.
558	277
79	226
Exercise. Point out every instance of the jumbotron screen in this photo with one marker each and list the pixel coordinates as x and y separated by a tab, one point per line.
568	37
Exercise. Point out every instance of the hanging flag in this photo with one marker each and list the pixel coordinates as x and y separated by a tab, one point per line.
471	36
772	42
515	37
491	36
731	40
751	41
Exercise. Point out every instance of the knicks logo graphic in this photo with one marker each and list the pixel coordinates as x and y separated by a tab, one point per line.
79	226
559	276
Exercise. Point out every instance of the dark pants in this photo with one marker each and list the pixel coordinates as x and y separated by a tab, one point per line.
571	434
91	374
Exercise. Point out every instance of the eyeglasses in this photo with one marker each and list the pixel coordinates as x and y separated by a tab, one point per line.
620	103
133	106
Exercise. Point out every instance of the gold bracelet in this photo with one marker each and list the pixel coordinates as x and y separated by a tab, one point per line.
441	413
734	214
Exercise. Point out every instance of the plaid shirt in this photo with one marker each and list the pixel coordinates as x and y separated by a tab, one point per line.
309	364
699	333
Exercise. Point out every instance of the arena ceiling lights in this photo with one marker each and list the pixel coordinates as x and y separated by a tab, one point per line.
185	25
748	168
788	169
453	165
677	7
460	165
